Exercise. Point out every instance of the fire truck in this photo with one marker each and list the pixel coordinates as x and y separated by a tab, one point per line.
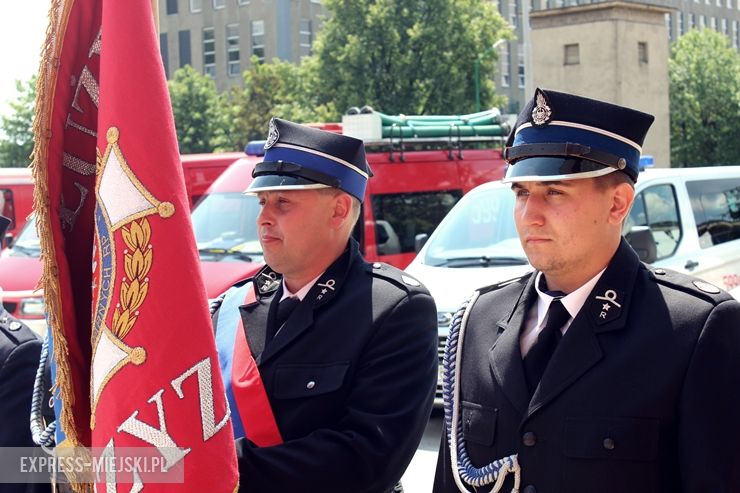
422	165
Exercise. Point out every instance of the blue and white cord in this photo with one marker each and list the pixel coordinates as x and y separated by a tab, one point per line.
43	436
462	468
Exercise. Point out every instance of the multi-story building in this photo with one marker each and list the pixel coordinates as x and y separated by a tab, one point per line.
219	37
515	56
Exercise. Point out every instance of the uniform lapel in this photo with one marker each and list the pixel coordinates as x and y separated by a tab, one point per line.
605	309
256	315
323	292
506	356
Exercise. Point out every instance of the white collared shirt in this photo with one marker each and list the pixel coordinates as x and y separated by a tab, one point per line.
301	292
535	320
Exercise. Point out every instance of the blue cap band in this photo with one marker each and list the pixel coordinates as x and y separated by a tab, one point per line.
350	179
560	134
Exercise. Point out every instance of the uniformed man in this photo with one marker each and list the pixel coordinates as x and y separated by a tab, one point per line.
346	351
595	373
19	357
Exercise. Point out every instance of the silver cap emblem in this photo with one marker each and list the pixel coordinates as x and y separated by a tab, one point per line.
272	134
541	112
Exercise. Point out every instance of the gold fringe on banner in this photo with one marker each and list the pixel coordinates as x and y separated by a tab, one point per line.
59	12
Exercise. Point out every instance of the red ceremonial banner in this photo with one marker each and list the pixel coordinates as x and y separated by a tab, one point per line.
133	344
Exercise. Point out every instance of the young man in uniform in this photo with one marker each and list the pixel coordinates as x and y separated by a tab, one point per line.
595	373
345	351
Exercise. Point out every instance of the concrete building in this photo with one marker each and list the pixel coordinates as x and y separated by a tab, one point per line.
218	37
613	51
515	64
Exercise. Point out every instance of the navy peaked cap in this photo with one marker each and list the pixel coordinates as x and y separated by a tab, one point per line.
560	136
299	157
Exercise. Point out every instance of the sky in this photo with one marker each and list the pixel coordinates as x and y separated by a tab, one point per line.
22	31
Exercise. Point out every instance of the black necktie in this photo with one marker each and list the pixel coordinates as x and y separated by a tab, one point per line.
539	354
284	309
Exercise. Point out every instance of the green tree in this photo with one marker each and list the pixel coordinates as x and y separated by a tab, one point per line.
200	112
272	89
704	100
16	130
408	56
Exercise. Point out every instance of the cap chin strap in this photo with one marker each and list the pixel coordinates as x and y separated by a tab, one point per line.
292	169
568	149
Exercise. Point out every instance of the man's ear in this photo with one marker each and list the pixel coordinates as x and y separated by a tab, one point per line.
622	196
342	209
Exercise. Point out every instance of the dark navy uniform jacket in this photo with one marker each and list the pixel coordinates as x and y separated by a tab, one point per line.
643	399
19	358
350	377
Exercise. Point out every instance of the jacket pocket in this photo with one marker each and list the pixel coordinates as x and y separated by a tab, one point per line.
634	439
302	381
479	423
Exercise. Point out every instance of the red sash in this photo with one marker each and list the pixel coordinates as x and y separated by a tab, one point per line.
249	391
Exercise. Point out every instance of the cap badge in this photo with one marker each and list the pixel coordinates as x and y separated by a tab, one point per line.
272	134
541	112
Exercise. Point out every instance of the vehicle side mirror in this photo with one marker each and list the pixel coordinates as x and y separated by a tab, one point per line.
419	241
7	241
642	242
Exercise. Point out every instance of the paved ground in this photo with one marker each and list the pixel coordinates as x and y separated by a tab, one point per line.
420	474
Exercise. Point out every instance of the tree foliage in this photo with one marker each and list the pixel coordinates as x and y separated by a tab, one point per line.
17	142
408	56
272	89
704	100
200	113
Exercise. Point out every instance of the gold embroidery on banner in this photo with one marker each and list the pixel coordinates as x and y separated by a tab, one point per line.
135	355
163	209
137	261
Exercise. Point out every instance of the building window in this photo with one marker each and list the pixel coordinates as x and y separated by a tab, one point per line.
243	2
642	52
505	64
572	54
520	67
164	51
668	24
680	23
209	52
724	26
171	7
713	23
183	39
305	37
729	4
513	13
233	67
219	4
692	21
258	40
736	38
196	5
702	22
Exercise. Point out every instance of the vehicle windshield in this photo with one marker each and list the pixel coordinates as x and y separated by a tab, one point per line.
478	232
226	229
27	242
